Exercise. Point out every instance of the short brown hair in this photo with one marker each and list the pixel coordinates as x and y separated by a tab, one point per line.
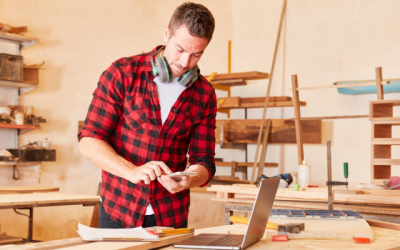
197	18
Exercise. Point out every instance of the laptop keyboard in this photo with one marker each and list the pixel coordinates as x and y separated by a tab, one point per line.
229	240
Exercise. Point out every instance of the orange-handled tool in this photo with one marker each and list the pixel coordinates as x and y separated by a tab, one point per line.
242	220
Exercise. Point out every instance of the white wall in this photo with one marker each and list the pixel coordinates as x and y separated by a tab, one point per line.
323	41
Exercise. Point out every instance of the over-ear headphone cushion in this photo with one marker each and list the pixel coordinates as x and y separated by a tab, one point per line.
163	69
188	77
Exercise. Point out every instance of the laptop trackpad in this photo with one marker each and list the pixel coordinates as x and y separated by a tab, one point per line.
200	240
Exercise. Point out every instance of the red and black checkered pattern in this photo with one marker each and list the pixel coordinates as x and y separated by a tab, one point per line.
125	112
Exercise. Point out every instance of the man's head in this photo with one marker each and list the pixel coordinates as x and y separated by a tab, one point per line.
189	32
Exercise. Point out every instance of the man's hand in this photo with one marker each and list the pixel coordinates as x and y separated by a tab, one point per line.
174	187
148	172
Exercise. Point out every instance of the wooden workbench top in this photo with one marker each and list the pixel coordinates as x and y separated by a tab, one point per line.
46	199
384	239
28	189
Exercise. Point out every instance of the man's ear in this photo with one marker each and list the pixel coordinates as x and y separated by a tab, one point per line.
166	33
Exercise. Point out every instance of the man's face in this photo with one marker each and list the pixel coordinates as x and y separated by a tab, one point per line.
183	50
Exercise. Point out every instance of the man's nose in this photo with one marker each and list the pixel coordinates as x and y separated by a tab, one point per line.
185	60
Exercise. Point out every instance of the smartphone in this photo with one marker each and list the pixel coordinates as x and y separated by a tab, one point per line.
177	176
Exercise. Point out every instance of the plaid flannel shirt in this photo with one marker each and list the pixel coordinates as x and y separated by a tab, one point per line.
125	112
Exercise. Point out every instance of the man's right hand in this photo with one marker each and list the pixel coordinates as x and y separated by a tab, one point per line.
148	172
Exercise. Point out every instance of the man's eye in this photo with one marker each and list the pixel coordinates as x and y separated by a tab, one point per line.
196	56
180	51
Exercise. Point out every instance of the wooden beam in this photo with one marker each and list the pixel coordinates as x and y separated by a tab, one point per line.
240	103
297	116
230	82
343	85
333	117
282	131
243	164
278	36
379	87
383	224
251	75
263	151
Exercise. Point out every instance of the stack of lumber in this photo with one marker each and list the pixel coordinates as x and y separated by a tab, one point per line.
371	201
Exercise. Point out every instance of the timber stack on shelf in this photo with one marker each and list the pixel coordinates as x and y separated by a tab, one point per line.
20	77
237	133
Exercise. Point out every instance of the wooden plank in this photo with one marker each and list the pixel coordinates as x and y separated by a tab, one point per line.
383	224
46	199
332	117
251	75
342	85
263	154
289	194
15	126
262	99
383	239
386	161
297	116
243	164
233	102
229	180
28	189
240	103
379	87
282	131
230	82
204	212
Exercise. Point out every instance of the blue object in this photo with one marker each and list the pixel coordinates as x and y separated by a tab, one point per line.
393	87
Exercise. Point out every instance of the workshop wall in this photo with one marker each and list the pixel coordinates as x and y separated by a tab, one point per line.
78	41
323	41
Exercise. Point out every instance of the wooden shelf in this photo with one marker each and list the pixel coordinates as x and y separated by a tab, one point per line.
255	102
24	41
383	161
23	127
252	75
386	141
19	163
242	164
22	86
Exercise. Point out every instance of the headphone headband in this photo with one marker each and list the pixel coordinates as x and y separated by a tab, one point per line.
162	70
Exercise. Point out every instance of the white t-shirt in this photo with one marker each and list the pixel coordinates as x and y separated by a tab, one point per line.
168	93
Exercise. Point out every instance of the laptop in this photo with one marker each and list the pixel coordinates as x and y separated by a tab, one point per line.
255	230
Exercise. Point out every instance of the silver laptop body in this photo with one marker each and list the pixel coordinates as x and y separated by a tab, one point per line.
255	230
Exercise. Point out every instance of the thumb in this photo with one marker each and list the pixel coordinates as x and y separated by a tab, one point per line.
192	168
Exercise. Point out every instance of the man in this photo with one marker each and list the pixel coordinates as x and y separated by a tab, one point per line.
144	119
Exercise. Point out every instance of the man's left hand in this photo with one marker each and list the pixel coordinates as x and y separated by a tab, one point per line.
174	187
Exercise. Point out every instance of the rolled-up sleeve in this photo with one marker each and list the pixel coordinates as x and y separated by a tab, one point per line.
202	142
105	107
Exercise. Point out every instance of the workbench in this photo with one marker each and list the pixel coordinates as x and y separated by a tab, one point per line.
31	200
385	239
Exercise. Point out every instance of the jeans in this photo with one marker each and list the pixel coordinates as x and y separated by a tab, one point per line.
106	222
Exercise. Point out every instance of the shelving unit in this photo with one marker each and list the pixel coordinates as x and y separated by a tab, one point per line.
12	90
229	132
383	120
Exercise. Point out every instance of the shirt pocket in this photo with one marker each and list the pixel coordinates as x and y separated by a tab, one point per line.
189	121
136	115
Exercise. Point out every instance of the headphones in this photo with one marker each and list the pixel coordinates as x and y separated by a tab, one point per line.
162	70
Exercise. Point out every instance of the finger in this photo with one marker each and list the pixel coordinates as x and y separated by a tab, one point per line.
156	168
170	182
192	168
164	167
166	185
185	183
145	179
150	172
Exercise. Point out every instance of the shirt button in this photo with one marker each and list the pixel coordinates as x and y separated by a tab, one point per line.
173	110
